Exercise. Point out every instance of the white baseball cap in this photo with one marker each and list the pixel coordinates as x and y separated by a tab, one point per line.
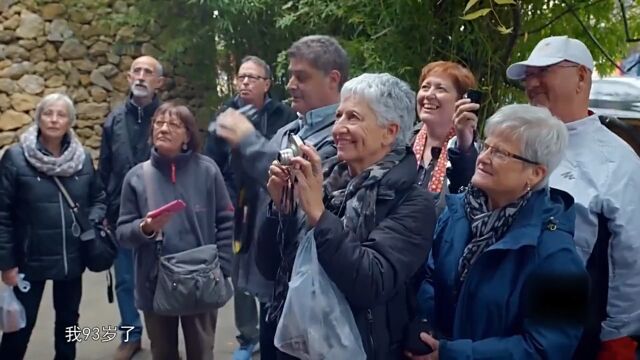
553	50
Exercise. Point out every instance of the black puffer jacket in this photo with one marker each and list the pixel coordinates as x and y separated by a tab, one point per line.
35	220
376	274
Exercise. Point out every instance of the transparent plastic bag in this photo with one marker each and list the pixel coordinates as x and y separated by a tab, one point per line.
12	314
316	321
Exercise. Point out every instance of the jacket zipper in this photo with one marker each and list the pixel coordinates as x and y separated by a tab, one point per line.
64	236
370	321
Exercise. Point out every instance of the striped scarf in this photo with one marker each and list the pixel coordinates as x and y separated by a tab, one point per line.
487	226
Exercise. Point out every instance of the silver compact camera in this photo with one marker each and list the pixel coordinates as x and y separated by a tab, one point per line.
292	150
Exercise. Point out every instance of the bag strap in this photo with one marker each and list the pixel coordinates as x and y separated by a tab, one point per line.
77	213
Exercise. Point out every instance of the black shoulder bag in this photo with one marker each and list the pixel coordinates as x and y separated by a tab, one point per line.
98	245
189	282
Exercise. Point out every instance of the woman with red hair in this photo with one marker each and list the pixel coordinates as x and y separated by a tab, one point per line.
446	129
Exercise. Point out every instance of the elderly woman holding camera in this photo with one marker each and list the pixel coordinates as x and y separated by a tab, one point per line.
504	279
372	225
39	235
446	130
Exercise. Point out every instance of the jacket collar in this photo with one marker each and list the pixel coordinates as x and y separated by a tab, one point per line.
585	124
318	115
402	175
167	165
145	112
66	142
545	207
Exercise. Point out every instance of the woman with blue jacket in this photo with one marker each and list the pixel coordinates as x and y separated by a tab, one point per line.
504	279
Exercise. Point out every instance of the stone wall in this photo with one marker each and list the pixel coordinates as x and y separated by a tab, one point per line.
69	46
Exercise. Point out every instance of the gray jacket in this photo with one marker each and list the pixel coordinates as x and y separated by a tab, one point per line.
198	182
256	154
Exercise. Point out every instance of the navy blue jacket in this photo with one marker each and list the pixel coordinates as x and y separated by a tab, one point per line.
524	297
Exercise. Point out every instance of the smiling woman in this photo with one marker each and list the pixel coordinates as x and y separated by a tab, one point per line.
504	252
444	115
371	224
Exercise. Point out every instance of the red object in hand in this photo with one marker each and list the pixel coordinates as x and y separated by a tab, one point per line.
172	207
623	348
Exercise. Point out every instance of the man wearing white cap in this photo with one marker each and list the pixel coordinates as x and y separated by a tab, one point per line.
602	173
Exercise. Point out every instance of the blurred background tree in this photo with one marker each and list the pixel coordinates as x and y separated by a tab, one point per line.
395	36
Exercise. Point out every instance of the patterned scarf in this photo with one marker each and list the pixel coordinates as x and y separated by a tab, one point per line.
70	162
487	226
439	171
357	197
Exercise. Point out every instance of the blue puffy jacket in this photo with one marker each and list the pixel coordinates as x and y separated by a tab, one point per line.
524	298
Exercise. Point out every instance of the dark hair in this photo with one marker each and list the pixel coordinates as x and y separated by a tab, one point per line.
183	114
256	60
324	53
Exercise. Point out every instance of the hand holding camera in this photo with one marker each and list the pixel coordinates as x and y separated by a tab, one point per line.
465	118
296	178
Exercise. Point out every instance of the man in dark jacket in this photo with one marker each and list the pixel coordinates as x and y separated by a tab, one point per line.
318	68
252	82
125	143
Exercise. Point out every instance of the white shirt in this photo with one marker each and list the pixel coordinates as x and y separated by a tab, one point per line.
602	173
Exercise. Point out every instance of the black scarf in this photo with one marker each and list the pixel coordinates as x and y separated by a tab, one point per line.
487	226
353	199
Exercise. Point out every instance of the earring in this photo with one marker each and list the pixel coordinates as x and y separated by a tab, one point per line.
528	187
184	147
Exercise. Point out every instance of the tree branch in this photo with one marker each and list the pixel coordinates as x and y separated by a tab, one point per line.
626	25
513	37
593	38
557	17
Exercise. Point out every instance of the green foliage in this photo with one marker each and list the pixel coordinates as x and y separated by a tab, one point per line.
395	36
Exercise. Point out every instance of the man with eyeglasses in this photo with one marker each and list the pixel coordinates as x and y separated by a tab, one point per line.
601	171
125	143
253	82
318	67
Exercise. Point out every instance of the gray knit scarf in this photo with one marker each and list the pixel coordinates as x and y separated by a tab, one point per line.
67	164
357	195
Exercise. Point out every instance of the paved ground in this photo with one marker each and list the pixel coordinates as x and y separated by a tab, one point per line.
96	311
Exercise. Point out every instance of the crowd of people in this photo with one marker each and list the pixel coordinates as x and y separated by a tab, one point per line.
518	242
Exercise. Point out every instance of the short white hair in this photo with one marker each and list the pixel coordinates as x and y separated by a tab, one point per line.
54	98
542	137
390	98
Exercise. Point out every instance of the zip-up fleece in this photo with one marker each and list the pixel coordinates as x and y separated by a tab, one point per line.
35	220
196	180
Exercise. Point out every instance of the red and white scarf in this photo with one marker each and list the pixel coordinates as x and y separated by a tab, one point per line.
439	172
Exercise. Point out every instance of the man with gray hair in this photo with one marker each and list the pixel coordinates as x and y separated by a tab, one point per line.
601	172
125	143
253	82
318	67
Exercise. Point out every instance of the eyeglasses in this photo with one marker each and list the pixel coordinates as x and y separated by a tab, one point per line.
542	71
251	78
503	155
173	125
